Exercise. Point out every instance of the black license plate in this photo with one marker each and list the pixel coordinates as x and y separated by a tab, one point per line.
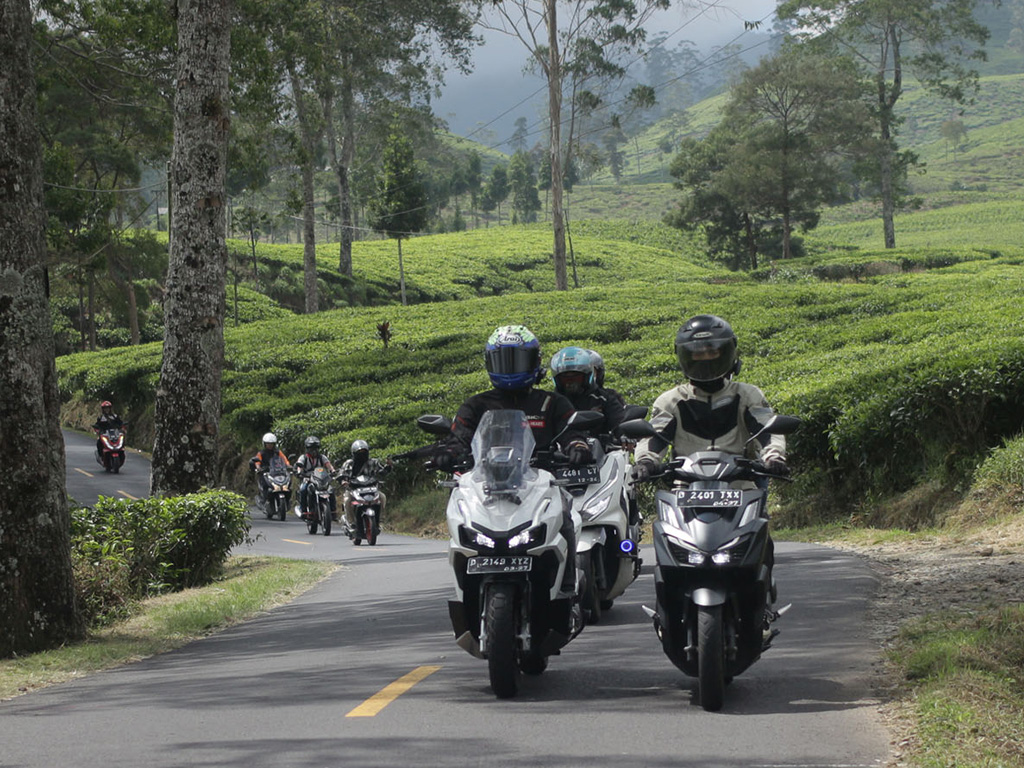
584	475
723	498
506	564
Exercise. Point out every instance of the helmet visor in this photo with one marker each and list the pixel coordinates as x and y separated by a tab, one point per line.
505	360
707	359
571	382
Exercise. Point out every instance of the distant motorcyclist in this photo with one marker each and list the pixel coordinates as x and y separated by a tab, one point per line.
106	420
262	461
709	408
362	463
304	466
572	370
513	362
598	362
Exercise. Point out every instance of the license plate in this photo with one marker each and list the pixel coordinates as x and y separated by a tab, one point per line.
507	564
723	498
583	475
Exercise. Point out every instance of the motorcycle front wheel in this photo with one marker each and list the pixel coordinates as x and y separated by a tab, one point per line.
590	601
325	518
500	621
282	507
711	657
370	529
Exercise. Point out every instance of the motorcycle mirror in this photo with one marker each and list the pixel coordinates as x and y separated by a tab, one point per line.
636	428
434	424
635	412
585	420
773	423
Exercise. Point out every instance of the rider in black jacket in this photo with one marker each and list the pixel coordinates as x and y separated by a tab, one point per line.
512	356
106	420
573	372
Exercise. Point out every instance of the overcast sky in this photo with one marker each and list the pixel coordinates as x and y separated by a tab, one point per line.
475	103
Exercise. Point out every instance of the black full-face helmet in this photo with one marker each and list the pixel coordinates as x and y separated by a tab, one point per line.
706	349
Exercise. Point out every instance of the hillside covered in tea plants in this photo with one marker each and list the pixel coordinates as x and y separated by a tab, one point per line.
907	366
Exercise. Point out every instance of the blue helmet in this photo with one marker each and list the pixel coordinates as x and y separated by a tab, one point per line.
512	356
573	371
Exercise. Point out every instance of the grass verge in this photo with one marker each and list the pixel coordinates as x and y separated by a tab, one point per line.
248	586
963	686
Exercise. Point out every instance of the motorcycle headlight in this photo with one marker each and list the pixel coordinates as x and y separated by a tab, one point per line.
527	538
734	551
479	540
595	507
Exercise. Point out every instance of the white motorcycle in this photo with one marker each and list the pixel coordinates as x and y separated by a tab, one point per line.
507	553
603	496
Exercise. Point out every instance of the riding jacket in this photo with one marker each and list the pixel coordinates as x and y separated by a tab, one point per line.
547	412
688	420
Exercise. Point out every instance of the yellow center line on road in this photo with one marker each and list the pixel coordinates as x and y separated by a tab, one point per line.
296	541
128	495
87	474
390	692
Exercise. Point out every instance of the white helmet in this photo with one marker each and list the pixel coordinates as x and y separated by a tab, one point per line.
270	437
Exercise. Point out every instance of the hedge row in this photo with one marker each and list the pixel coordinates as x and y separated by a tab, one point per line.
124	551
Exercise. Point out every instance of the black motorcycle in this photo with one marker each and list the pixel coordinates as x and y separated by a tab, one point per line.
713	581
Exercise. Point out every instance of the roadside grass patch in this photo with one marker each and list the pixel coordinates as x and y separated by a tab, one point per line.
248	586
963	676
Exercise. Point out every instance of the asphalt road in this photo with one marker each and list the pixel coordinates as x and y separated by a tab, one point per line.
297	686
87	480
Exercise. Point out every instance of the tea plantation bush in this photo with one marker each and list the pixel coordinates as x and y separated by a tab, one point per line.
125	550
899	378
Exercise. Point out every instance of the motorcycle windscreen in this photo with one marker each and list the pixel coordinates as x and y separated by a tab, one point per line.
502	447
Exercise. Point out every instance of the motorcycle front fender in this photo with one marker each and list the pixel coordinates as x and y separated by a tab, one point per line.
591	537
708	597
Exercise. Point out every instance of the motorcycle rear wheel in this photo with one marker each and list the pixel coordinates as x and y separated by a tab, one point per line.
500	620
711	657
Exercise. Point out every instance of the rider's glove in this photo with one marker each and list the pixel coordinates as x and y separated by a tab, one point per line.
643	470
776	466
579	453
444	460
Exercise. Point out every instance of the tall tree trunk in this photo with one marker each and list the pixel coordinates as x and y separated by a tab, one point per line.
348	150
37	595
341	163
81	305
886	104
554	72
888	194
92	310
188	393
133	304
308	203
401	272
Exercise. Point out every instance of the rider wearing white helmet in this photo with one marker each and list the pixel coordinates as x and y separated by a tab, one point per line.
261	461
